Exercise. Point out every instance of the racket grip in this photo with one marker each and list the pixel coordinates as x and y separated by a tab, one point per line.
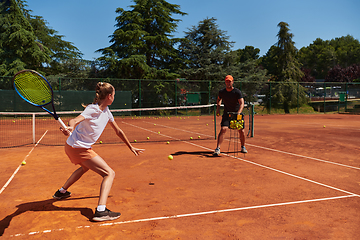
62	124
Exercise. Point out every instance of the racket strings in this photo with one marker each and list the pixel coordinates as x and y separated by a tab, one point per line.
34	88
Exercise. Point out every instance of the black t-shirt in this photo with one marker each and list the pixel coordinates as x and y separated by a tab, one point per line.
230	99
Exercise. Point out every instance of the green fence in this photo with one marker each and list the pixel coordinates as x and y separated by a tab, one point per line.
142	93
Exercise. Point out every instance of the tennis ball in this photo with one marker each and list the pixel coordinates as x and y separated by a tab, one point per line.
135	140
158	132
170	157
147	138
100	142
198	136
23	163
168	142
191	138
324	126
154	124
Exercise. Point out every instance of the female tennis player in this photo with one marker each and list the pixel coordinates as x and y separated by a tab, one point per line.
83	132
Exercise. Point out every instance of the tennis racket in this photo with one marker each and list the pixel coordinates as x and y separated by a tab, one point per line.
36	90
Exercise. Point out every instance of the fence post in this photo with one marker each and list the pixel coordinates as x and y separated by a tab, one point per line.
209	92
176	103
60	94
346	95
270	98
298	84
140	105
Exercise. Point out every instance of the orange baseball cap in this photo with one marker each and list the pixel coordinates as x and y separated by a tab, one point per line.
229	78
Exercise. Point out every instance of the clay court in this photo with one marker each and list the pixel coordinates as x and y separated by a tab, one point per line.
300	180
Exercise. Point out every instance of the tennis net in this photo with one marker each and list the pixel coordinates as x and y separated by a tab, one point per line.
161	124
145	124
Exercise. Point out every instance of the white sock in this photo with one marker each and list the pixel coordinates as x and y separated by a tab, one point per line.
62	190
101	208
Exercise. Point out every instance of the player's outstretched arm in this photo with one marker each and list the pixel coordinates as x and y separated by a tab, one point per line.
123	137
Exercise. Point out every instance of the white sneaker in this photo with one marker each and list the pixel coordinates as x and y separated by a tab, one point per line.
217	152
243	149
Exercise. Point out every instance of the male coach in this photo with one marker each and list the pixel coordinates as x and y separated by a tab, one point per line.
233	102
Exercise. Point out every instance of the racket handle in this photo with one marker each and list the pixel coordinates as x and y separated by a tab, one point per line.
62	124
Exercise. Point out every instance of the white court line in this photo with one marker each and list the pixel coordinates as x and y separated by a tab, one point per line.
189	215
215	211
298	155
270	149
260	165
18	168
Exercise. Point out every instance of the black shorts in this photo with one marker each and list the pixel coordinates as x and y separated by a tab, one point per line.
225	121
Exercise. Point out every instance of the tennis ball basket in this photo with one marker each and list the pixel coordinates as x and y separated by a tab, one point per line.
236	120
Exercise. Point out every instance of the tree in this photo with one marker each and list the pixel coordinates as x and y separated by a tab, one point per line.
206	50
248	53
270	61
27	42
286	70
144	31
19	45
348	74
63	54
307	75
207	53
321	56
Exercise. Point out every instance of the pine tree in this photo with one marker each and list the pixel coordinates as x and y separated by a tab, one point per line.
206	50
145	31
286	71
19	48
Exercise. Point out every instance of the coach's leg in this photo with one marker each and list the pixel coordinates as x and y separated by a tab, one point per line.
221	136
242	140
242	137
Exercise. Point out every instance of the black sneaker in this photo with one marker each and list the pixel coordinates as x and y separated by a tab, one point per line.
58	195
106	215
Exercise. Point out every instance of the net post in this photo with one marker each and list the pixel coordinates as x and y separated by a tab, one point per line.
215	120
33	127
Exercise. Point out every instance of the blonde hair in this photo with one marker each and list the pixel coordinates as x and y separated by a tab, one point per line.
101	91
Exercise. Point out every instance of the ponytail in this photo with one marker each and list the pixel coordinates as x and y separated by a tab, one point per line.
101	91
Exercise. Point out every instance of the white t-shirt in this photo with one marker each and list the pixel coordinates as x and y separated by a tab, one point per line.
89	130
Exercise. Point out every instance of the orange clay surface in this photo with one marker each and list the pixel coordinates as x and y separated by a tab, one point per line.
300	180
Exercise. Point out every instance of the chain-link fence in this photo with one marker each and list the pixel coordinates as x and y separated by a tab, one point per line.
142	93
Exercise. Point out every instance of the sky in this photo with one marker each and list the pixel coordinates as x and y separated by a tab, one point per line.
89	23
